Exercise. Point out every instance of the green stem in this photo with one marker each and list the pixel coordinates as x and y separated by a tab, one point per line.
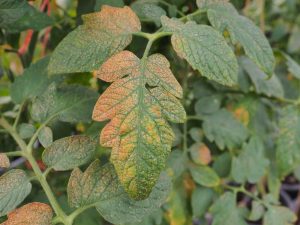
170	5
195	117
15	153
18	115
26	152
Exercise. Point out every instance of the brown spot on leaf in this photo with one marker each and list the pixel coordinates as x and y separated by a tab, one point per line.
34	213
4	161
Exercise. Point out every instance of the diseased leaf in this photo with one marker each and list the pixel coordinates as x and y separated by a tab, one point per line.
225	211
4	161
288	142
293	66
205	49
202	199
34	213
205	176
14	188
69	152
102	35
45	137
18	15
200	154
114	204
278	215
69	103
100	185
263	85
224	129
224	16
251	164
148	11
138	106
32	82
205	3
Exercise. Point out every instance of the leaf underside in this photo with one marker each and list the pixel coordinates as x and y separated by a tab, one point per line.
143	95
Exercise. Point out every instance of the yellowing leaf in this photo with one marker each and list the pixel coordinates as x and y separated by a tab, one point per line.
4	161
102	35
143	95
34	213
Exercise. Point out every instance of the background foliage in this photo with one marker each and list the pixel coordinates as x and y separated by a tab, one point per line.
235	159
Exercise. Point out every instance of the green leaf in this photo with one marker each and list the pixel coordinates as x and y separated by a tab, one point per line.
205	49
222	164
70	103
208	104
202	199
225	211
251	164
69	152
138	106
278	215
14	188
293	66
288	142
102	35
148	11
263	84
26	130
224	16
224	129
45	137
18	15
118	208
257	211
32	82
205	176
114	3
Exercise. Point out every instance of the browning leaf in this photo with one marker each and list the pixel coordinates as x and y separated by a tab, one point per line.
34	213
102	35
138	106
4	161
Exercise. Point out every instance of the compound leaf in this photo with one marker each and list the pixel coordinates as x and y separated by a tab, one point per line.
69	152
14	188
224	129
224	16
18	15
138	105
278	215
32	82
251	164
4	161
205	49
69	103
263	85
288	142
99	185
34	213
225	211
102	35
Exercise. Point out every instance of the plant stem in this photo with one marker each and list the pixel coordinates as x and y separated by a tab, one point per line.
18	115
27	153
15	153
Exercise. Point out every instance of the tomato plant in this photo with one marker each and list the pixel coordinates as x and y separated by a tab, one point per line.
149	112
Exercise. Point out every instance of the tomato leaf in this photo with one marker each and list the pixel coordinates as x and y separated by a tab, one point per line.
102	35
69	152
138	106
4	161
224	16
34	213
14	188
205	50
